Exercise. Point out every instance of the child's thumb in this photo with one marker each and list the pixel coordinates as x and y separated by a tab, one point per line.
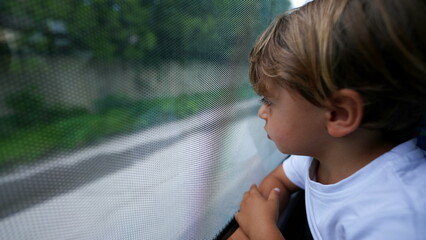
274	195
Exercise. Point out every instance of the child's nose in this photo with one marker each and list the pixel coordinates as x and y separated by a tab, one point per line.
262	112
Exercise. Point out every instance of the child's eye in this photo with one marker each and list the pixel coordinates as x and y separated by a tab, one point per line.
265	101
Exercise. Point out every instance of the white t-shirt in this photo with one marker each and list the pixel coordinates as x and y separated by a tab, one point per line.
386	199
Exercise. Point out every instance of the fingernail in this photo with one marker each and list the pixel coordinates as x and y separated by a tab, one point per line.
277	190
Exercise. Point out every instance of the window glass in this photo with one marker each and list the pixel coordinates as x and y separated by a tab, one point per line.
128	119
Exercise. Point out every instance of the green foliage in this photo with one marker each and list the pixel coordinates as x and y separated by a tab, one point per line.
29	108
74	127
27	145
75	132
145	32
135	30
26	106
115	121
102	29
24	101
112	102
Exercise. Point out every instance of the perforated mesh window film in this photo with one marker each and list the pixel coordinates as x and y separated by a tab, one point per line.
128	119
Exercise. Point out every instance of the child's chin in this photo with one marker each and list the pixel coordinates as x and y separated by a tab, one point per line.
285	149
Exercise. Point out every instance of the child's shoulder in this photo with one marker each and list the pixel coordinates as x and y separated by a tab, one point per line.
405	167
394	201
408	157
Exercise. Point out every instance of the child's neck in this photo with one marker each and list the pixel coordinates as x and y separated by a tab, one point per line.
347	155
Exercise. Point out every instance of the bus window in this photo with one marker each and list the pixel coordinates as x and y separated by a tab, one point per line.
128	119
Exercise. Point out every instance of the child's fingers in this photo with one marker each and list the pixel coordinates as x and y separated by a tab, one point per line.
254	189
274	196
274	200
238	235
240	220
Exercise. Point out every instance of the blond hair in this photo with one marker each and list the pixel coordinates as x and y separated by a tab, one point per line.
376	47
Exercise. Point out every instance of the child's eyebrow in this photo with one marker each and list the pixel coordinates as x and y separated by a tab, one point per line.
271	92
268	90
266	95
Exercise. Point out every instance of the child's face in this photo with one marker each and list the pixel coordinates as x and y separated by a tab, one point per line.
295	125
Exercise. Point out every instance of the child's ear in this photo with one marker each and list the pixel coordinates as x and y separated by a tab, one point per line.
345	112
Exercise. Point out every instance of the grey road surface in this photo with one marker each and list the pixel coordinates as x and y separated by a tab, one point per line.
181	180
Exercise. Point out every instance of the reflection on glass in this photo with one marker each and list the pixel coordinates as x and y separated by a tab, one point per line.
127	119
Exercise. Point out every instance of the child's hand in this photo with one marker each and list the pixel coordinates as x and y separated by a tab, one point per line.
258	215
238	235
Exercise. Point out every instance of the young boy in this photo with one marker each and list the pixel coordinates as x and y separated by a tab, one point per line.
344	89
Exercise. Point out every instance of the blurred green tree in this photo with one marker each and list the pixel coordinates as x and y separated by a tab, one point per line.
136	30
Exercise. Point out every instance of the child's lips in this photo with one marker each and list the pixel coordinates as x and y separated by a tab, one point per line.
267	135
